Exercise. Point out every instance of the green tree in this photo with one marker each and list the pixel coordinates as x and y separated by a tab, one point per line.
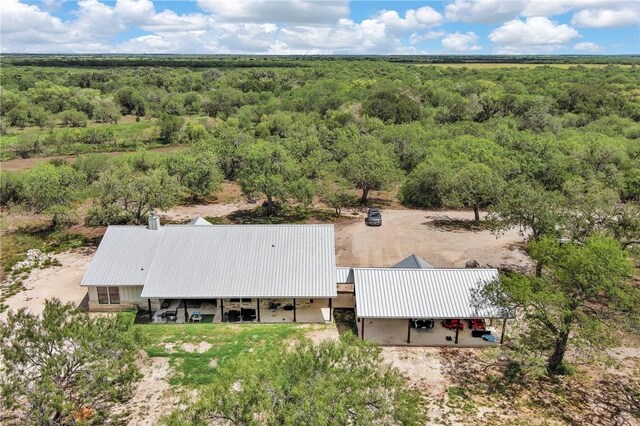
268	169
40	116
196	171
19	116
474	185
334	191
46	185
65	367
370	165
567	304
105	110
73	118
170	127
536	212
333	383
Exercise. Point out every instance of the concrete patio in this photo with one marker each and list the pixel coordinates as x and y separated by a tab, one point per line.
393	332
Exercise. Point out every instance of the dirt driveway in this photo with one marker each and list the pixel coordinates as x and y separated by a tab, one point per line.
412	231
62	282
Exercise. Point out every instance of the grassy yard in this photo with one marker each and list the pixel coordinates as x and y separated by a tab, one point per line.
196	350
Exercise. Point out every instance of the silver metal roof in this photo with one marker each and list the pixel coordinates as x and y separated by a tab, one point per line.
124	256
413	261
243	261
421	293
345	275
199	221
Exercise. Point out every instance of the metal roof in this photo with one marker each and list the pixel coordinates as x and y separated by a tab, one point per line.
221	261
124	256
199	221
413	261
345	275
421	293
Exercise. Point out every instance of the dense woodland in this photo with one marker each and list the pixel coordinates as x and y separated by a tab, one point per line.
458	137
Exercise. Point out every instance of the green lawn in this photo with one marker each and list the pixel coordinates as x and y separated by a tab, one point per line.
192	348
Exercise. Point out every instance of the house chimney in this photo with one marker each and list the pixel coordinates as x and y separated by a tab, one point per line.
154	222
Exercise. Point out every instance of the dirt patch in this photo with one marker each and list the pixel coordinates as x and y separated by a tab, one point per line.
62	282
330	332
213	363
153	396
411	231
200	347
424	371
27	163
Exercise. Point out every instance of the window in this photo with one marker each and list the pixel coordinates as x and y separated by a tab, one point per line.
114	295
108	295
246	300
234	300
103	296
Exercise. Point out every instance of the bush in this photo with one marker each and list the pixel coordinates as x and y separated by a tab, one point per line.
73	118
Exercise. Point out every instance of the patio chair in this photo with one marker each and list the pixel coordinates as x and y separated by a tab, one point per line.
196	316
171	316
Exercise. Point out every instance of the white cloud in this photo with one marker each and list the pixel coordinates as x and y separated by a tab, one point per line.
284	11
497	11
429	35
587	46
607	18
558	7
536	34
485	11
423	17
461	42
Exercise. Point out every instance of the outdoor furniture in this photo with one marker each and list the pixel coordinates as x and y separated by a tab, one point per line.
196	316
490	338
274	306
452	324
171	316
247	314
233	315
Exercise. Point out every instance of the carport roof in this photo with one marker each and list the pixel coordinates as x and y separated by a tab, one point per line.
422	293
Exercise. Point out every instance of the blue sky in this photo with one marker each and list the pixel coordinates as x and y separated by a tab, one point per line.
321	26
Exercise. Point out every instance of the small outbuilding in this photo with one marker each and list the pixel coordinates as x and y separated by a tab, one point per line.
426	307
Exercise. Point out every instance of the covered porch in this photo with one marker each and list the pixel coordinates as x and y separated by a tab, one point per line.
242	310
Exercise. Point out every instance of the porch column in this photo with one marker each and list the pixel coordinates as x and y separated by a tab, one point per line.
221	310
258	309
150	313
362	320
294	311
457	330
330	309
504	328
409	331
186	313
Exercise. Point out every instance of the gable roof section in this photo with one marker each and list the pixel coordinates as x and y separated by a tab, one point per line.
124	256
413	261
199	221
421	293
222	261
345	275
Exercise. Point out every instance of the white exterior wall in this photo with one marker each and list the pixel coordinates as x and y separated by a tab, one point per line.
129	298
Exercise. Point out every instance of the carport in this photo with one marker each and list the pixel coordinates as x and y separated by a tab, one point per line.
389	299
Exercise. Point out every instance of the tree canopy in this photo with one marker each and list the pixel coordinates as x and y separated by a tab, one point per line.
65	367
333	383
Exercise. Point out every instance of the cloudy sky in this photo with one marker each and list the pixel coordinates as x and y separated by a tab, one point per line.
321	27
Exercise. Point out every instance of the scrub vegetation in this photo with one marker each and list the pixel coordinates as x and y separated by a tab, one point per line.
550	148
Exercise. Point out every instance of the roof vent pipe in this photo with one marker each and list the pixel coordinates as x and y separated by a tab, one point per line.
154	222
